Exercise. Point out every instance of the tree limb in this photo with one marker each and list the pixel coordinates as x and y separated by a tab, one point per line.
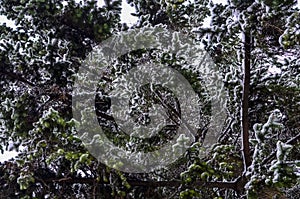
293	140
136	183
16	77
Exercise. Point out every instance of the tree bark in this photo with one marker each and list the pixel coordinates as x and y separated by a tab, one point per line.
245	101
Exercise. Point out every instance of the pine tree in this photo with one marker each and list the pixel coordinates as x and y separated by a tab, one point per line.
254	45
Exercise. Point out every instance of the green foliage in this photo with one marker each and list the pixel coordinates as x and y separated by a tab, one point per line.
277	173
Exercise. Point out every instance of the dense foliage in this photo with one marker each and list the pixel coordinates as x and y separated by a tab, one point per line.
248	40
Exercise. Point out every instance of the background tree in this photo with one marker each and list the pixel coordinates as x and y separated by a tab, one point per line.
38	59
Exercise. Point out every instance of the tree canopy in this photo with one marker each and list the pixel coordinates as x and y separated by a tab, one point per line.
254	48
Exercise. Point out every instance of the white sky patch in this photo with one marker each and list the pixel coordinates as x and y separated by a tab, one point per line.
274	70
64	3
9	23
126	17
207	20
220	1
11	153
7	155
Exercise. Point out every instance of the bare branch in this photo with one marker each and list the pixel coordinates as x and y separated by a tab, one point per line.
136	183
16	77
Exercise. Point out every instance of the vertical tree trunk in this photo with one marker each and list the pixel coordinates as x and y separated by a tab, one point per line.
245	100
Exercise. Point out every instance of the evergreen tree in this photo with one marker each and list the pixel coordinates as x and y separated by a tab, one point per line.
254	45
